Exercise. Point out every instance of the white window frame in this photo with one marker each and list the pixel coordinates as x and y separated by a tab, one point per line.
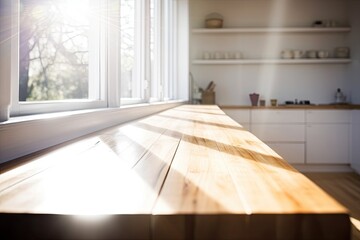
26	134
169	51
140	85
97	75
156	86
107	91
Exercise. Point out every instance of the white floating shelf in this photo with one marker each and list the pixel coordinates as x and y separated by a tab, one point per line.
274	30
271	61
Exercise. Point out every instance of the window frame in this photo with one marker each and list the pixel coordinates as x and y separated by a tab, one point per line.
160	89
35	107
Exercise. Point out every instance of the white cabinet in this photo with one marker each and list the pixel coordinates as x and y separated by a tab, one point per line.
242	116
290	152
328	136
277	116
305	136
328	116
355	140
282	130
279	132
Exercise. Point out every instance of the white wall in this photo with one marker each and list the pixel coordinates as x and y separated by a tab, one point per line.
316	83
355	87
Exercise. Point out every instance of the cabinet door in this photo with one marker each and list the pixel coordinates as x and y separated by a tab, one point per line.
327	143
328	116
355	141
290	152
279	132
242	116
277	116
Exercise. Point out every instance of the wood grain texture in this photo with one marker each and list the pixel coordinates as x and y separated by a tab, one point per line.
186	173
222	173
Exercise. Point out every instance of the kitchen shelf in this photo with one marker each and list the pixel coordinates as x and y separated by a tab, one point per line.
274	30
270	61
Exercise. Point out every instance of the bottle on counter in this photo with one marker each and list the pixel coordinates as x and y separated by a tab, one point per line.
339	96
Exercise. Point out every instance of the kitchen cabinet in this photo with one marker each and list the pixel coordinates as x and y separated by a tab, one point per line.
274	30
328	136
303	136
242	116
283	131
277	116
355	140
291	152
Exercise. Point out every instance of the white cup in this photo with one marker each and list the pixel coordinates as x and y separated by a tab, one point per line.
323	54
218	55
287	54
238	55
311	54
298	54
227	55
206	55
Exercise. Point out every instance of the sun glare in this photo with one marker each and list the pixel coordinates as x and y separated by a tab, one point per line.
278	8
77	11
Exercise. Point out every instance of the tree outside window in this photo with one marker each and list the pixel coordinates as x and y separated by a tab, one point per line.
54	49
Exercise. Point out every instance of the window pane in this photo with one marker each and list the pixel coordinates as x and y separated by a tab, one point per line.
154	55
129	50
54	49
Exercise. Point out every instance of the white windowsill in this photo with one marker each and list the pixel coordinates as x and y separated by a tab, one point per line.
43	116
23	135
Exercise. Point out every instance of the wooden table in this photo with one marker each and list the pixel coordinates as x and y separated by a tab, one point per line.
186	173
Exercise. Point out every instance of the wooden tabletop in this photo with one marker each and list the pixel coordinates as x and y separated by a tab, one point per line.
186	173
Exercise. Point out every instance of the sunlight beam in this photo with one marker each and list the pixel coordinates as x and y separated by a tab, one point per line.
273	47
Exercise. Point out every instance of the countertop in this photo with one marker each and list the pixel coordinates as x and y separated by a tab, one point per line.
190	172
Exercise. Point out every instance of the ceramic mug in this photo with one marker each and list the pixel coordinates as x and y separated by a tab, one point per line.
238	55
273	102
323	54
287	54
227	55
262	102
342	52
311	54
206	55
218	55
298	53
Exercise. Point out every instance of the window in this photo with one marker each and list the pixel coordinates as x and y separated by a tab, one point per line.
79	54
132	76
54	50
57	58
155	57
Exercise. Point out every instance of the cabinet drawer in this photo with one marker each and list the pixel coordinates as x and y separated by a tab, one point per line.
290	152
278	116
279	132
240	116
328	116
